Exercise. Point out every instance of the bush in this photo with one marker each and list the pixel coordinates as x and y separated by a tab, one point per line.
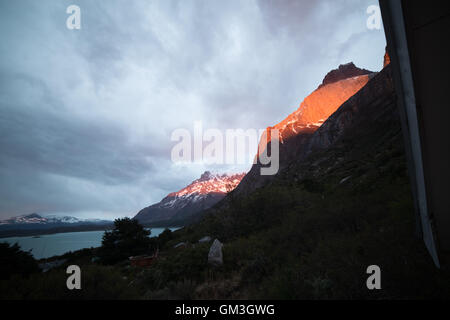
128	238
15	261
165	237
97	283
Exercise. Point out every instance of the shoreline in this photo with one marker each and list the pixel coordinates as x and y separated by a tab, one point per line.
68	229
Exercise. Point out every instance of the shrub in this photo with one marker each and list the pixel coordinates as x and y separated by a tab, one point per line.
128	238
15	261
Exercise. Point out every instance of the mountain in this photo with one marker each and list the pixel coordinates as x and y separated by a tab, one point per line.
24	219
34	218
201	194
340	202
359	143
337	87
34	224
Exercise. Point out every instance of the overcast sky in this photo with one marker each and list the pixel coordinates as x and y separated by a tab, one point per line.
86	115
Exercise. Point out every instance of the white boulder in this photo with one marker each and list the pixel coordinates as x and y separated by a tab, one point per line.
215	256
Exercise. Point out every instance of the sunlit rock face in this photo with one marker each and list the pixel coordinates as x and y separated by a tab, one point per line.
201	194
337	87
387	59
373	103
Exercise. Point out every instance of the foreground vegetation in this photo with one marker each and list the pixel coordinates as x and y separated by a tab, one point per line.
308	239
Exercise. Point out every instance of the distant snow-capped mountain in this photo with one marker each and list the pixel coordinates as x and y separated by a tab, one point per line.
36	224
34	218
201	194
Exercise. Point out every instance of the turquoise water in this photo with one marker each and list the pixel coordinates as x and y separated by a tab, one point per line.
59	243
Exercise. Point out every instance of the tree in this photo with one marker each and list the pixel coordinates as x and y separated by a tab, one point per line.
15	261
165	237
128	238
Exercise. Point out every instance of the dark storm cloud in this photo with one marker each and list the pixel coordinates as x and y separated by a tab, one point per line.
86	115
47	155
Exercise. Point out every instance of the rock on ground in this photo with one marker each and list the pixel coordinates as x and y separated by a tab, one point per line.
215	256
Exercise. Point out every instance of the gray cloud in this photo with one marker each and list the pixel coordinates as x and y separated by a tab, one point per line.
86	115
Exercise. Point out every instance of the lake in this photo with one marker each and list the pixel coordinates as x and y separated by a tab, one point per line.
49	245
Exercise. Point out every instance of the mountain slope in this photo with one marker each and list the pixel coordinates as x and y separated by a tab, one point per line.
342	152
201	194
337	87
